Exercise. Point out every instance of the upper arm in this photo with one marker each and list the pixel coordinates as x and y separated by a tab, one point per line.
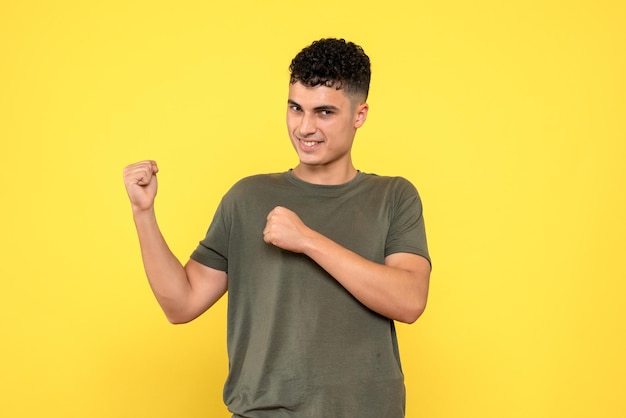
409	262
207	284
418	268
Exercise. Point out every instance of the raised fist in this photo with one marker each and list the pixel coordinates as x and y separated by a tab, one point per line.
141	184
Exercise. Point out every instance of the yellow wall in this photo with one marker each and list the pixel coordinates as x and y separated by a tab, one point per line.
508	116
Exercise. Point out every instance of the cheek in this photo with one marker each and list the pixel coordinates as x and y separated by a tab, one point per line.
291	123
339	131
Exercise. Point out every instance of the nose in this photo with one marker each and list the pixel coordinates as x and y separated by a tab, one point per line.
307	125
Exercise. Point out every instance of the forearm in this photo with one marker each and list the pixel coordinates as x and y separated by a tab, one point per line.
165	273
396	289
394	292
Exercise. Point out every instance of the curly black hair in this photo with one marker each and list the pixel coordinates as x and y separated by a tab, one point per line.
333	63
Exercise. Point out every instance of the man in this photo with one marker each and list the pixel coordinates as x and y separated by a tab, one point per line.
318	261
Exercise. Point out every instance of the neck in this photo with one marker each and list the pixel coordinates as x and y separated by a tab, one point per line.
324	176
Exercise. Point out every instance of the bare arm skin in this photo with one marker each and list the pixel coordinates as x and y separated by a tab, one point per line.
397	289
183	292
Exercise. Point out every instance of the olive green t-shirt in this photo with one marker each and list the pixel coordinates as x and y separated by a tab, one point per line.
299	344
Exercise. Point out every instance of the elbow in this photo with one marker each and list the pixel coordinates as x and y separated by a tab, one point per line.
416	304
178	317
412	313
177	312
176	320
411	317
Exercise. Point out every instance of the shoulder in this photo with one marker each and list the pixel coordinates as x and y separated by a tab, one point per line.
390	183
255	181
397	192
251	187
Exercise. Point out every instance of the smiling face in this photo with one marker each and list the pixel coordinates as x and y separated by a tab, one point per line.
322	122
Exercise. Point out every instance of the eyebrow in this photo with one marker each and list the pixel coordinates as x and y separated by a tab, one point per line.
317	109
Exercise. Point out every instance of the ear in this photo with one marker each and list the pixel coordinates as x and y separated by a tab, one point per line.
360	115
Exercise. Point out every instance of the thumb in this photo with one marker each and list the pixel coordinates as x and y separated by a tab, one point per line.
144	175
140	174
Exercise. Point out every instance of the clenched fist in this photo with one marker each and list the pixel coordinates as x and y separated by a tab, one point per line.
141	184
285	230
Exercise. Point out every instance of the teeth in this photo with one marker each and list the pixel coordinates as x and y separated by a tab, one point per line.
309	143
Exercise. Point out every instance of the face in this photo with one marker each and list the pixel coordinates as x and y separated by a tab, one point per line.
322	122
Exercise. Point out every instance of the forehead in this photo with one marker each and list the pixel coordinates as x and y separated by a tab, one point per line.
317	96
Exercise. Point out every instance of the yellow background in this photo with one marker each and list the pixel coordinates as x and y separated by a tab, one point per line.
508	116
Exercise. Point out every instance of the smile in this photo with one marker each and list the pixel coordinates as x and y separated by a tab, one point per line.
308	144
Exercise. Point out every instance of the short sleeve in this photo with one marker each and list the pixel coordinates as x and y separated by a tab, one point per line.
212	251
407	232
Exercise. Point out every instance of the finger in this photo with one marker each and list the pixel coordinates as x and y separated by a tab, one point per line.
155	168
145	171
271	214
133	170
143	177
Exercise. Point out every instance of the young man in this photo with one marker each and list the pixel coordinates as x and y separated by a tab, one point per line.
319	261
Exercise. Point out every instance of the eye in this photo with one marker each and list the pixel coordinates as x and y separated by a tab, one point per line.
326	112
295	108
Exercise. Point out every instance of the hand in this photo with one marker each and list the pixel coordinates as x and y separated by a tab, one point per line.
141	184
285	230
